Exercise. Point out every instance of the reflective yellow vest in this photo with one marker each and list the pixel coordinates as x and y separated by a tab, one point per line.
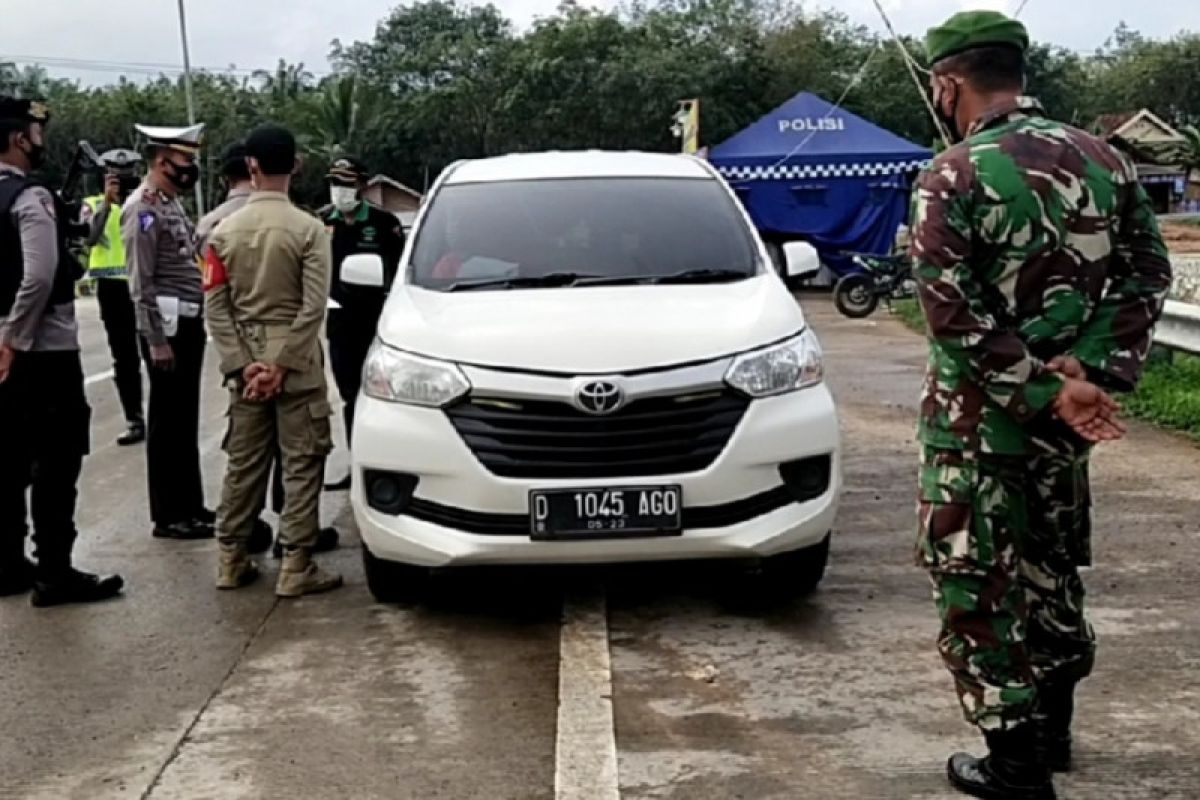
107	257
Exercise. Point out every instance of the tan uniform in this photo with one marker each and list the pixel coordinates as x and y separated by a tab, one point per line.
267	280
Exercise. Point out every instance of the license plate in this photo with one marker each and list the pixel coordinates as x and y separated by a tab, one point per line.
606	513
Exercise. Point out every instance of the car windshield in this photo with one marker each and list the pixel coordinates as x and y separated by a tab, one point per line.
579	232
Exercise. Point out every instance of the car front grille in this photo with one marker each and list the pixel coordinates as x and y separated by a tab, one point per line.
550	439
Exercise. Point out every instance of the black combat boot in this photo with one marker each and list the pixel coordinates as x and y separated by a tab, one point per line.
327	539
184	531
134	434
69	585
260	538
16	575
1011	770
1056	707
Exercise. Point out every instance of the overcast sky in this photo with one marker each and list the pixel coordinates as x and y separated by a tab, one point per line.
256	33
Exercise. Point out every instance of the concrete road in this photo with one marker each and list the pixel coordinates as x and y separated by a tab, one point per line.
638	682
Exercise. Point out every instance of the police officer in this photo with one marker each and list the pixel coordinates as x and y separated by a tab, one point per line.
239	187
267	282
42	403
107	268
356	227
168	296
1041	272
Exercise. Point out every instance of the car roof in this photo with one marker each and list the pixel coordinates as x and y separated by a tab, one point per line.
580	164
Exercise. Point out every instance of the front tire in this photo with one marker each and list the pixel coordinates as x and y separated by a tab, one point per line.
855	296
393	582
797	573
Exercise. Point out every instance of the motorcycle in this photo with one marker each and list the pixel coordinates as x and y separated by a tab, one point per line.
885	278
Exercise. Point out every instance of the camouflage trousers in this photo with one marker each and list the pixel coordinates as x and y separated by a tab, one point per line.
1003	538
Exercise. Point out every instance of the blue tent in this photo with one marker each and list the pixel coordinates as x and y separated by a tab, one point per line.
811	171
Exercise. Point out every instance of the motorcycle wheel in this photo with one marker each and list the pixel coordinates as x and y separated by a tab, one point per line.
855	296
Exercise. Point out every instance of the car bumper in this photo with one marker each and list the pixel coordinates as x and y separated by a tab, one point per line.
461	514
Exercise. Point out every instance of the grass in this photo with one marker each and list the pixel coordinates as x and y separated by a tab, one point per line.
909	312
1169	394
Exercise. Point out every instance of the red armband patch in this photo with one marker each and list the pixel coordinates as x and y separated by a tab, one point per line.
215	274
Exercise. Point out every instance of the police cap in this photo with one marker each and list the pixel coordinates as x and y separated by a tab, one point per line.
120	159
969	30
185	140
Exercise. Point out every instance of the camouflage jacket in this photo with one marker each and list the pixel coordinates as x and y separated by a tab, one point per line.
1030	239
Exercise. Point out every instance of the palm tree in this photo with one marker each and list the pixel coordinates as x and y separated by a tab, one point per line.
287	82
335	118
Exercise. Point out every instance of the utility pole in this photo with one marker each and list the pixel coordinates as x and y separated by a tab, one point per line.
191	103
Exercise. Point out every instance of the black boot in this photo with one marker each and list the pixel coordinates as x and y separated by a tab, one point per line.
1056	707
134	434
1011	770
260	538
16	576
327	539
72	586
193	529
339	486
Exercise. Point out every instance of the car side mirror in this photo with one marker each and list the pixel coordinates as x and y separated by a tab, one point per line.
802	260
363	269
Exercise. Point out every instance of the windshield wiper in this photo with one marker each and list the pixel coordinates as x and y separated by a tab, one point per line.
702	276
551	280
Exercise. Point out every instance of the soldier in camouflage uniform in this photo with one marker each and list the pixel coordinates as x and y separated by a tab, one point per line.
1041	272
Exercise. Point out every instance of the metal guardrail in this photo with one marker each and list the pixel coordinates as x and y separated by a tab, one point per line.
1179	328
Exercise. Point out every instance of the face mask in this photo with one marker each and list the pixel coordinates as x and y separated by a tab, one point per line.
36	154
949	120
183	177
344	198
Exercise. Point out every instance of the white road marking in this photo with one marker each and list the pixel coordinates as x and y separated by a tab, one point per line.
586	749
103	376
99	376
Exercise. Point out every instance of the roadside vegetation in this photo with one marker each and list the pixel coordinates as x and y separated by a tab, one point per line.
1169	395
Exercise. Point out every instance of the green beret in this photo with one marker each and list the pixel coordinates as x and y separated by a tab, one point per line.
968	30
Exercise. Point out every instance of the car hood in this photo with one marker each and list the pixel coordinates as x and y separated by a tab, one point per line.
593	330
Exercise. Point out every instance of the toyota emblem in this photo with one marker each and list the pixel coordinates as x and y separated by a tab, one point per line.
599	397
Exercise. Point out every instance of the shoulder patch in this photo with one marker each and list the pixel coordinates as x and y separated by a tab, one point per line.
145	220
48	203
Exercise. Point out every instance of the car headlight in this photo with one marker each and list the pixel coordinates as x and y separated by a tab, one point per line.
399	377
786	367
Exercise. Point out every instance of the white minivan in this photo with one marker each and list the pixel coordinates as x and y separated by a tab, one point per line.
586	358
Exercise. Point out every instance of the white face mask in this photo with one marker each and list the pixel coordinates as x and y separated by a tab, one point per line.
344	198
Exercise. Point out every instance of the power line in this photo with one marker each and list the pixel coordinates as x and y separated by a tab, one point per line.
138	67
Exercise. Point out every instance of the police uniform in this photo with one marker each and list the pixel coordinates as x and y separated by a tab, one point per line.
108	269
167	289
43	407
354	310
1031	240
267	281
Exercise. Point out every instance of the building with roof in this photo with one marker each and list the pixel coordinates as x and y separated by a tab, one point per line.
1150	140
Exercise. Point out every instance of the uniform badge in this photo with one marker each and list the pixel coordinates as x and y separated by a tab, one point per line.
48	204
369	232
145	220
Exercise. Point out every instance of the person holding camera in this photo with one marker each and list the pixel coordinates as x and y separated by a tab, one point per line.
108	269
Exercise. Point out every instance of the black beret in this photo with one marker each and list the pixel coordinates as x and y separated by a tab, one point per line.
28	110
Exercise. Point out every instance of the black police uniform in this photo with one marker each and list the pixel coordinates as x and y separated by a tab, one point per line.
43	407
351	328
